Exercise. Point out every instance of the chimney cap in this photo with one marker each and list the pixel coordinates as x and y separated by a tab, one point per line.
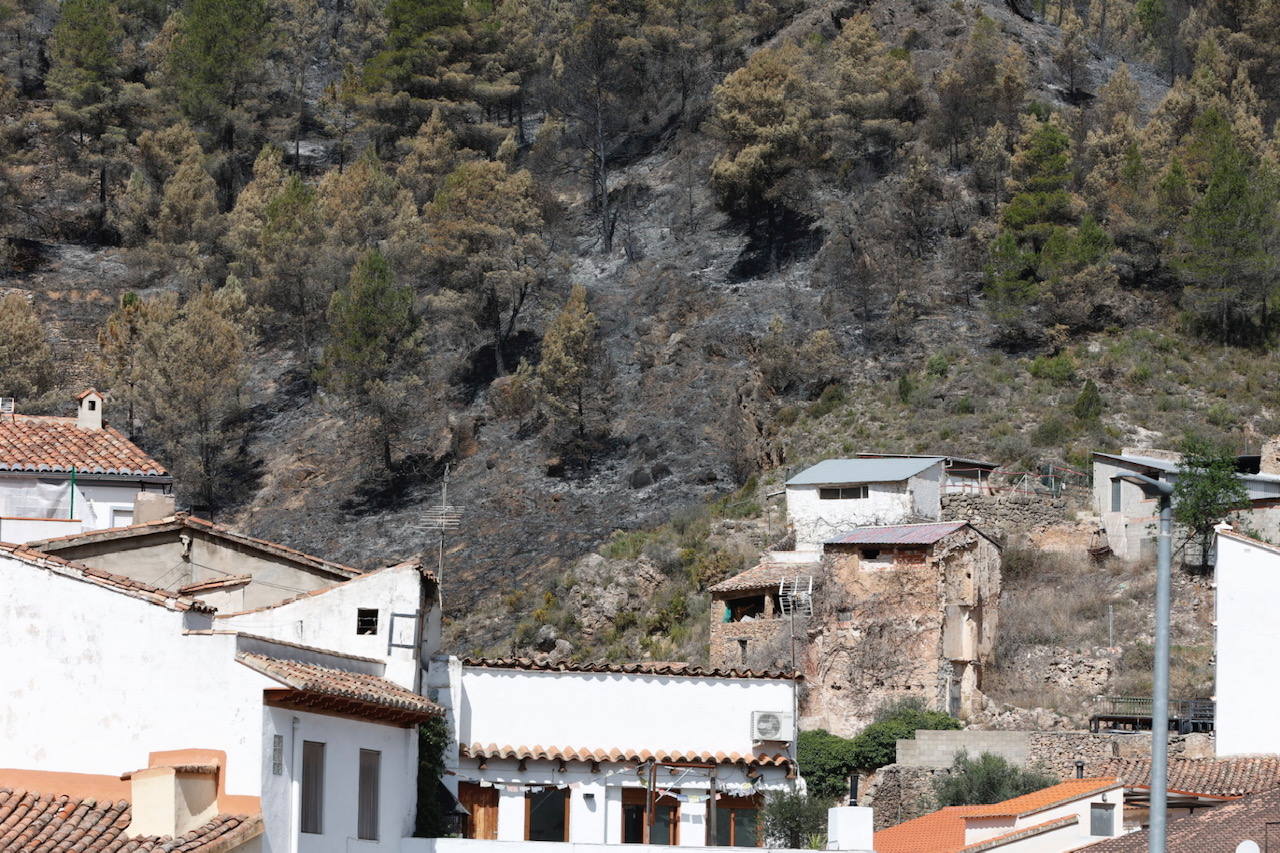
86	392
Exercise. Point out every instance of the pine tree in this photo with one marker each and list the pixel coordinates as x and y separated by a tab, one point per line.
429	157
484	242
189	206
572	373
876	94
372	350
1072	56
26	359
125	357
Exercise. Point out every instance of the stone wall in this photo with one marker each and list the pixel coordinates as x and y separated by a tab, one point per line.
766	639
1000	515
898	793
937	749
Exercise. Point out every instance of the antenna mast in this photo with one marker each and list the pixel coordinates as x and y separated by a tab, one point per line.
442	518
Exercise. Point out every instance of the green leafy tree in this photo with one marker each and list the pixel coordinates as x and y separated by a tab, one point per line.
373	349
876	745
826	763
1088	403
1207	489
987	779
793	820
26	359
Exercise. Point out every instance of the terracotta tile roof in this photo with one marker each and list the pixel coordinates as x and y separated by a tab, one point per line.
899	534
1046	798
56	445
943	831
355	693
52	823
1216	830
565	753
186	521
651	668
1215	777
117	583
937	832
214	583
762	575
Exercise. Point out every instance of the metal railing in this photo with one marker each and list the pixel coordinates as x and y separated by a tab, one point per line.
1186	715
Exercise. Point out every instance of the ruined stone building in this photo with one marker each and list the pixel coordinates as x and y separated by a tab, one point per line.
898	612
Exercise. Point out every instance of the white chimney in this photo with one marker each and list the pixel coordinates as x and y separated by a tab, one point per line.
89	414
172	801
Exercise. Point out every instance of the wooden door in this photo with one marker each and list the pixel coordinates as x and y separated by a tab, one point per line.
482	803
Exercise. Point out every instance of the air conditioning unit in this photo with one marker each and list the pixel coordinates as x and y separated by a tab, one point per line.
772	725
6	405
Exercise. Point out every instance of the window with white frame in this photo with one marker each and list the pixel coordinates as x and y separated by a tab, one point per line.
844	493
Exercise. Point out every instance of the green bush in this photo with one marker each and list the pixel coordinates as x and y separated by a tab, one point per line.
987	779
826	763
876	745
1088	404
791	819
1059	369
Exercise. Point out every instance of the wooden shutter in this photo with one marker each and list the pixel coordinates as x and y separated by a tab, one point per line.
482	803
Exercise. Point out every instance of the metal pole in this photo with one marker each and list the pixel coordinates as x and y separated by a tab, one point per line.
1160	682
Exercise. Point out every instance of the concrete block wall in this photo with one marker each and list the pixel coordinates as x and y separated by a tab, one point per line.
937	749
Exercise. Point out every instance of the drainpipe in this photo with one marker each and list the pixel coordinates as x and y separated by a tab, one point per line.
295	789
71	513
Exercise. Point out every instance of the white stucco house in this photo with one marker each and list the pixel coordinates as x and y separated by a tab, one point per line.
1247	577
66	475
963	476
837	495
1130	518
304	748
618	753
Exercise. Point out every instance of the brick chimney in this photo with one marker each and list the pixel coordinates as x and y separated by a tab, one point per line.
173	800
89	413
1270	463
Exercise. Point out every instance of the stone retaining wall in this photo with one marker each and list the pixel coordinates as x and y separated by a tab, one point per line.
999	515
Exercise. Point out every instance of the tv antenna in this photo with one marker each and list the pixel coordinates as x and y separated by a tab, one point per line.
443	517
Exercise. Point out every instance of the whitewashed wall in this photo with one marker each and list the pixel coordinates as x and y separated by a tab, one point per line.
328	619
343	740
95	681
611	710
1131	530
27	497
466	845
1247	690
1066	838
816	520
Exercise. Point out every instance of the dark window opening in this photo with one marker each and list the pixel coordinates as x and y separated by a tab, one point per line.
745	609
93	405
312	787
547	815
370	767
737	821
742	652
1115	495
844	493
367	620
870	553
844	616
666	817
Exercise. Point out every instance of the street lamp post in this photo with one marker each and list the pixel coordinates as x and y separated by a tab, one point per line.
1163	493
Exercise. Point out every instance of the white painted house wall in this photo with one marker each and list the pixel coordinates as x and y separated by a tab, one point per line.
1055	841
328	619
343	740
96	680
917	498
97	504
1246	689
614	710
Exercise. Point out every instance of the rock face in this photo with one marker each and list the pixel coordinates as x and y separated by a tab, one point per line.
1084	672
604	588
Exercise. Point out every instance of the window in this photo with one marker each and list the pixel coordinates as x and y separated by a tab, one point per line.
844	493
742	652
1115	495
546	815
737	821
666	817
1102	820
121	517
367	620
370	765
870	553
744	609
93	405
312	787
277	755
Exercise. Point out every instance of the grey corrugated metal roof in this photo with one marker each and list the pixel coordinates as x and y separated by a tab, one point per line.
1259	486
952	461
899	534
1145	461
844	471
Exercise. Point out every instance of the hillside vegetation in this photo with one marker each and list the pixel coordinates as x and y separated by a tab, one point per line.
609	261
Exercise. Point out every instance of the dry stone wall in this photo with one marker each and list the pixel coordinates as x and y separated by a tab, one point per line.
1001	515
